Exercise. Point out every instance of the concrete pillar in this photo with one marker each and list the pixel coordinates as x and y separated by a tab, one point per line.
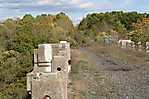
147	47
67	47
44	57
139	46
133	46
123	44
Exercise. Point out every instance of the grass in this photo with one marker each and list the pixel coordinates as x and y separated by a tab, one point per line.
87	80
125	55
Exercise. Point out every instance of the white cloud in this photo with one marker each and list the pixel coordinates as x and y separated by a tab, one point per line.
87	5
43	2
128	2
75	2
48	2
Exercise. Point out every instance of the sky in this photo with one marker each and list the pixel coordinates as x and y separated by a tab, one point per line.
76	9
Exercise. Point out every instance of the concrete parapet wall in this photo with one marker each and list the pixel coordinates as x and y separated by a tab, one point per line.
50	73
128	44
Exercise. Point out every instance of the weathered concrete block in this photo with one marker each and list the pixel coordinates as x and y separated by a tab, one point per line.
50	73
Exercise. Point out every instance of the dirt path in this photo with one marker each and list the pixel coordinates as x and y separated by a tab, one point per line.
127	81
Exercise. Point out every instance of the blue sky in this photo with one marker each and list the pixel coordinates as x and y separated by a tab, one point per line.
76	9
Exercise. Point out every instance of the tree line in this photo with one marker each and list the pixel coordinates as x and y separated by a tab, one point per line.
123	25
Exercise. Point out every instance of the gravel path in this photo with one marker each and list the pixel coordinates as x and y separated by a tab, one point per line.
127	81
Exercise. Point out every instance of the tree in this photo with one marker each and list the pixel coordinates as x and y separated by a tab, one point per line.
141	31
